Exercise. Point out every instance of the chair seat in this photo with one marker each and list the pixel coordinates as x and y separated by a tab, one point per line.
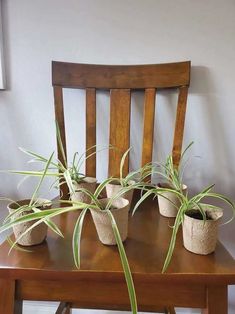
50	266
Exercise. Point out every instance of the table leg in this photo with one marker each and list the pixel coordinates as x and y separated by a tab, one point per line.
8	304
217	300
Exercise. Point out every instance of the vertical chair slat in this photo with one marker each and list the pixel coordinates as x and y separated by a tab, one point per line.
148	132
179	125
59	116
120	109
91	131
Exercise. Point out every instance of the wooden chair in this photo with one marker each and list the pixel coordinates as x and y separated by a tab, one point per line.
121	81
49	273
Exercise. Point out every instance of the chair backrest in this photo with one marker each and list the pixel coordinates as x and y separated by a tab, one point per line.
121	80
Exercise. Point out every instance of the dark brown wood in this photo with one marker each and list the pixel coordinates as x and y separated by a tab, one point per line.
77	75
90	131
59	117
120	112
92	293
217	300
49	273
179	125
8	304
63	308
149	114
120	79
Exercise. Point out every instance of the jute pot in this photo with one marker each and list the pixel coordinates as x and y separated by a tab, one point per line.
169	208
103	223
89	184
112	189
200	236
35	236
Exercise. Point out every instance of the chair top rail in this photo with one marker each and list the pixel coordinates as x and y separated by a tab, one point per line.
78	75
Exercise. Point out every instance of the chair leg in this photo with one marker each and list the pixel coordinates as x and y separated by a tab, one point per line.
170	310
63	308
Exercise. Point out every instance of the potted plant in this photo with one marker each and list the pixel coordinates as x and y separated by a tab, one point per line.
24	234
200	222
168	202
64	173
24	207
107	209
124	186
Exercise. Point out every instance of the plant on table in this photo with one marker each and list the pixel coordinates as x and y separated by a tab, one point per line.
124	186
203	219
21	208
173	179
64	173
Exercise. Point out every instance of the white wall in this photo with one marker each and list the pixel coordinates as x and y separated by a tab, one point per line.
121	32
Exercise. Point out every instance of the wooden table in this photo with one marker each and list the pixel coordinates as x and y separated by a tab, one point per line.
49	274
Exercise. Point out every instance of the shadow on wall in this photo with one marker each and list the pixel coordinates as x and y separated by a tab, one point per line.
211	126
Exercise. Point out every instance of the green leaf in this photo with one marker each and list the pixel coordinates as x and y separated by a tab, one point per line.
92	196
41	179
186	149
123	162
147	194
34	173
125	265
77	237
176	226
102	185
69	182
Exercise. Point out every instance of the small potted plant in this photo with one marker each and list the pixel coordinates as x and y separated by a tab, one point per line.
24	233
124	186
199	221
24	207
168	202
64	173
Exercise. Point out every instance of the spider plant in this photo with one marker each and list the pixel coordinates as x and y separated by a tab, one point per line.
41	216
138	175
60	170
34	205
171	174
194	203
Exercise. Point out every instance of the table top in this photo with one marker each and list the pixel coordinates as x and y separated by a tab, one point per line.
146	247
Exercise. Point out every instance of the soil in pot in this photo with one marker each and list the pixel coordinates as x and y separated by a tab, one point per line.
196	214
169	203
199	235
88	183
113	188
103	223
35	236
